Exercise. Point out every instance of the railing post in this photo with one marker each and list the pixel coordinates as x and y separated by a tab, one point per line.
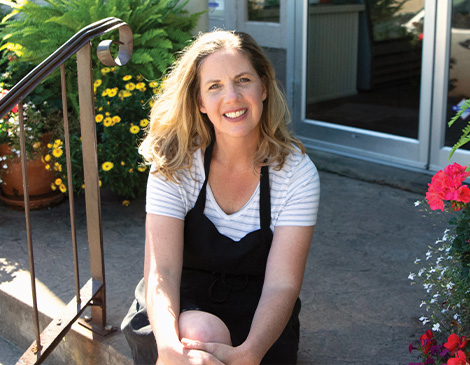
92	190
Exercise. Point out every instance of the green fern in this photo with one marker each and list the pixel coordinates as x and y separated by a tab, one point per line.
465	137
160	27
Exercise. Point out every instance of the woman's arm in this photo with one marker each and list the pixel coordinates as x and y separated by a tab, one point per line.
162	273
283	281
284	275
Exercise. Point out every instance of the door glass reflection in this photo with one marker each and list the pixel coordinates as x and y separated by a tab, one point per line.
364	64
459	66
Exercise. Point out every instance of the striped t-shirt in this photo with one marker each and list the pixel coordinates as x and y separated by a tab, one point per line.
295	194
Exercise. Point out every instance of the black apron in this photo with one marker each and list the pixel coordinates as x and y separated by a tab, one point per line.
224	277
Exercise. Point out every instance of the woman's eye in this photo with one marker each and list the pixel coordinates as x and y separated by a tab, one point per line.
244	79
213	86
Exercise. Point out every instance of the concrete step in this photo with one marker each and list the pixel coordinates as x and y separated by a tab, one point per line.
9	352
79	346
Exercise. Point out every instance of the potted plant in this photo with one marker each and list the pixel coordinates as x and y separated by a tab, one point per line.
39	130
161	28
445	270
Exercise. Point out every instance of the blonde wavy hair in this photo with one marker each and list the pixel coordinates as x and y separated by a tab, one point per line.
177	127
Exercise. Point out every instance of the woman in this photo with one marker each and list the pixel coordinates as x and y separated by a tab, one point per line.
231	205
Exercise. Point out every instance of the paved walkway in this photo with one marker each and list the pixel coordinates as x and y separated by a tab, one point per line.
358	305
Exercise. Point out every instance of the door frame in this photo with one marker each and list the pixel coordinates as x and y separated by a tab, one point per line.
349	141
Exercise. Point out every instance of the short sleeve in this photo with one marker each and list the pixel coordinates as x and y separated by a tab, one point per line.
301	195
164	197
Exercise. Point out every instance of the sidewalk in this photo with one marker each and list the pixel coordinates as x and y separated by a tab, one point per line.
358	305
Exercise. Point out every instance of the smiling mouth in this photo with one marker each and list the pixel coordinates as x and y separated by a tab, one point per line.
234	115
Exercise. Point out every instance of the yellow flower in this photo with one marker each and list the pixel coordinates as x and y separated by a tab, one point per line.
144	123
127	77
140	85
58	181
105	70
99	118
142	168
57	143
153	84
151	102
139	77
126	203
131	171
47	167
156	91
47	158
134	129
53	187
62	188
122	163
116	119
36	145
97	83
104	93
108	122
49	145
83	186
110	92
130	86
57	167
107	166
99	183
57	152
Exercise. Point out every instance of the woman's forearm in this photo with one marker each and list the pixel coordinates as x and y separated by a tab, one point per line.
274	311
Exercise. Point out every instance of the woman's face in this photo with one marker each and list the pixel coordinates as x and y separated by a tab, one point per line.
231	94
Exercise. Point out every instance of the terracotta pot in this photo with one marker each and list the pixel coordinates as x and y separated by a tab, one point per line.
39	184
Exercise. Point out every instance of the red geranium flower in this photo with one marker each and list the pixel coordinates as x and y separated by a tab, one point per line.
427	340
461	359
447	185
455	343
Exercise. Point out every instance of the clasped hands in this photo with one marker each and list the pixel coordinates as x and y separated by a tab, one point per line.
209	353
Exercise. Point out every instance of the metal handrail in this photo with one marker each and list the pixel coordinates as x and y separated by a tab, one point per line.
93	292
68	49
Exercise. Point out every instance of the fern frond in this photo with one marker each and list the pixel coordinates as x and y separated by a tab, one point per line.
463	108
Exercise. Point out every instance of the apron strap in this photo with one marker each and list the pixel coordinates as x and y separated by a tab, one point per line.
265	193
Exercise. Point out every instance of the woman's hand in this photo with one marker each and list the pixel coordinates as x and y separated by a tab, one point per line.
227	354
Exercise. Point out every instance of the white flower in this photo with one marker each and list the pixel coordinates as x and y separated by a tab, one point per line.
428	255
424	320
422	303
420	272
417	260
411	276
436	327
450	285
417	203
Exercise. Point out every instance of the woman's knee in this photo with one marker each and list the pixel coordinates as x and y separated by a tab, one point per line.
203	326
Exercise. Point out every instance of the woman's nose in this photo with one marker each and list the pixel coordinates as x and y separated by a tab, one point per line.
232	93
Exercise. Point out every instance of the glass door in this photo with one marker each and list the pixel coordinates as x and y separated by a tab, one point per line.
452	80
363	76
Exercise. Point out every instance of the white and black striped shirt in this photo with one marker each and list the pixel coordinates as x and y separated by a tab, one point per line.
295	194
